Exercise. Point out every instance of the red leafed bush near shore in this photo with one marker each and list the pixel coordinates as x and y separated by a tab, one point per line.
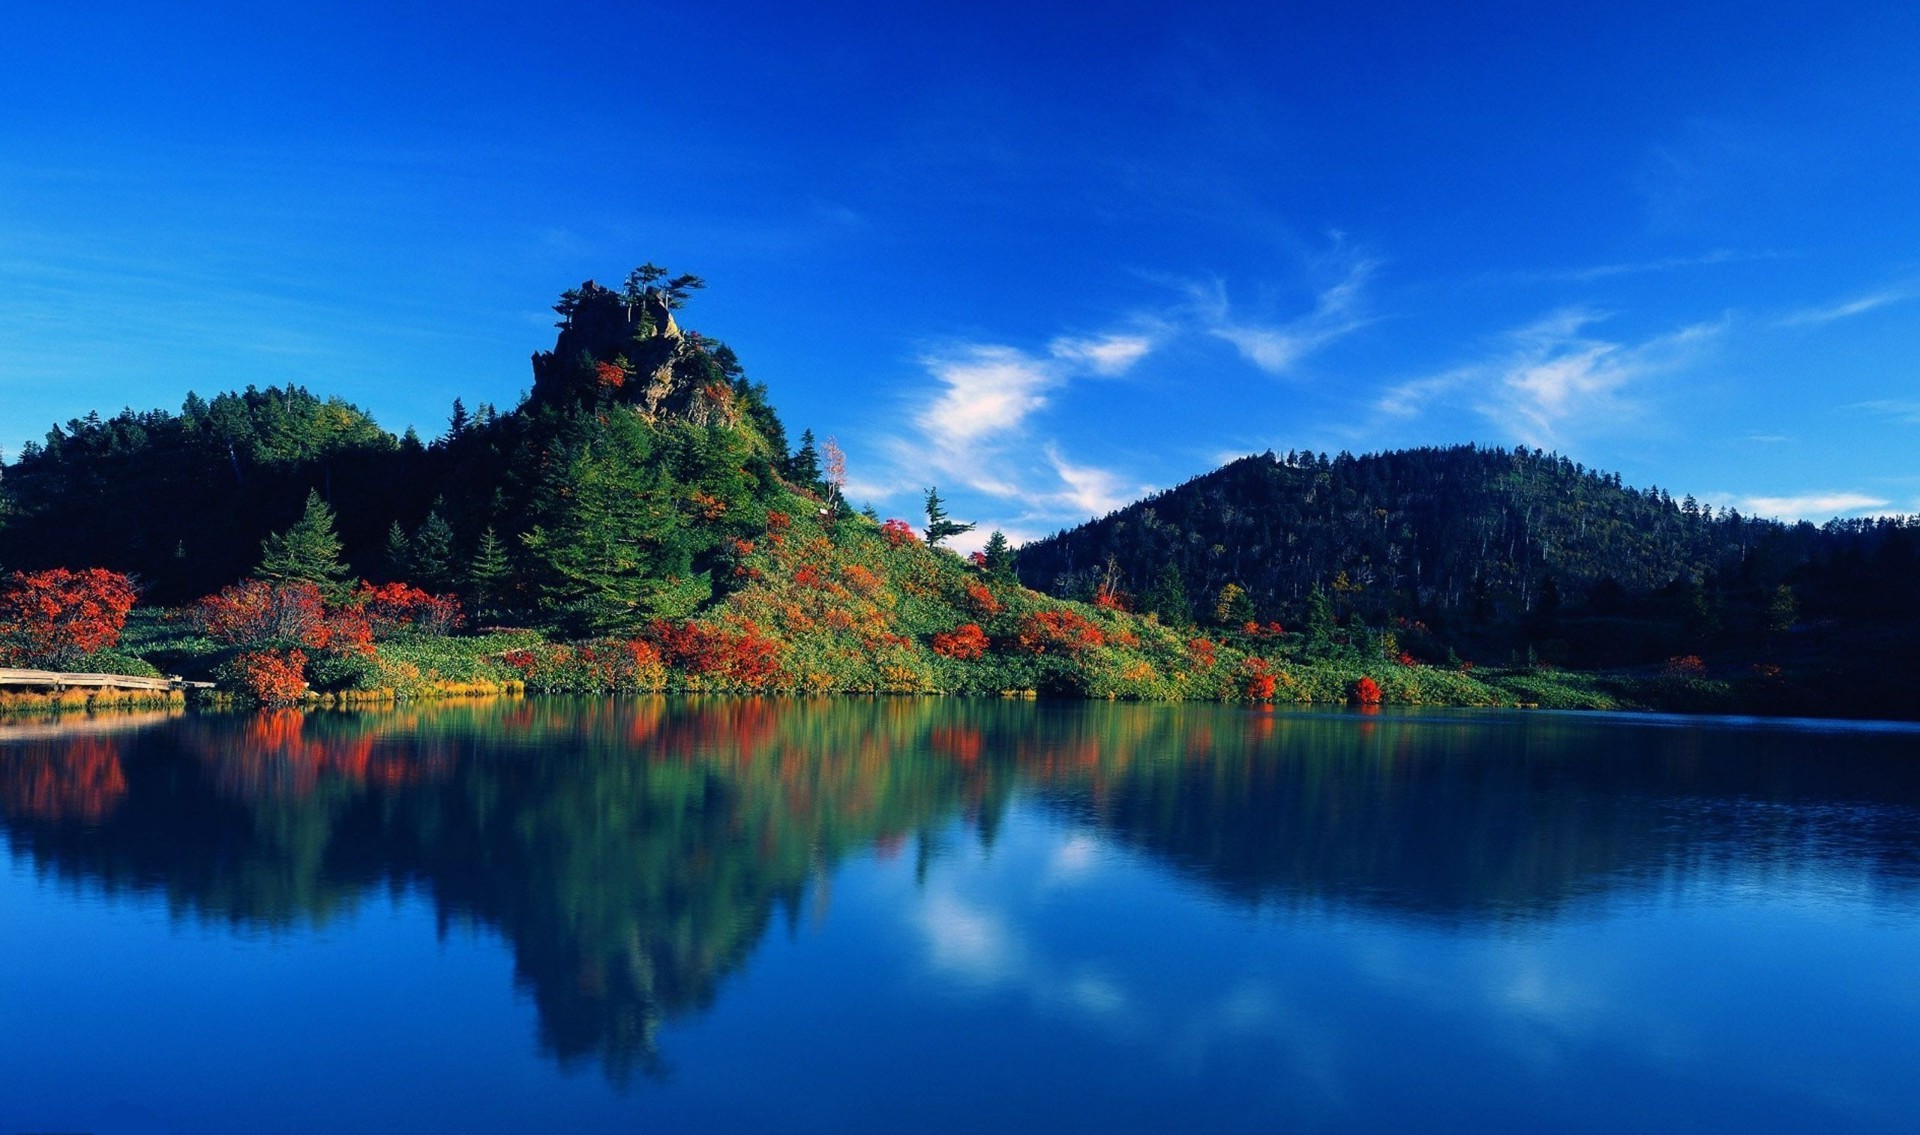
1058	632
59	616
1366	691
290	615
1257	680
271	677
965	642
399	608
742	656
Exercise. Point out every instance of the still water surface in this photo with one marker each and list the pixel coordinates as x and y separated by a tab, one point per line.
945	915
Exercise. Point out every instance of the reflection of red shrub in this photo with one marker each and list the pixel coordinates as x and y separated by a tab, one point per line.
272	677
899	533
966	641
1058	632
1366	691
58	616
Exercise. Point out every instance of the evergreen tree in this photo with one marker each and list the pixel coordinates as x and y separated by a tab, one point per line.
309	550
430	554
1167	598
398	553
803	468
999	557
1232	607
1320	622
1783	610
939	526
488	575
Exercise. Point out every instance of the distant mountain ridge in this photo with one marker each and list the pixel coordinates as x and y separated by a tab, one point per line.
1419	530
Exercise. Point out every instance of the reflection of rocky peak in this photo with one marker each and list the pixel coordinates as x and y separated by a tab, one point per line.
629	348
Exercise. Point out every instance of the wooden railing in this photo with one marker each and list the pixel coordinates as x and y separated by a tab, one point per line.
51	679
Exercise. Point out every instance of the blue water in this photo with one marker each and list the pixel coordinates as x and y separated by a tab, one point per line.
956	916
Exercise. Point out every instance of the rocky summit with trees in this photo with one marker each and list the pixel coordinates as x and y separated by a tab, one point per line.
641	522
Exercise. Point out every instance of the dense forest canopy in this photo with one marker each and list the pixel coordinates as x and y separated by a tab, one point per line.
1471	537
609	516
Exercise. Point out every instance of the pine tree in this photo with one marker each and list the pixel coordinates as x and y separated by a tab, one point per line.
998	555
803	468
488	575
398	554
430	554
1168	597
939	526
1232	607
309	550
1319	617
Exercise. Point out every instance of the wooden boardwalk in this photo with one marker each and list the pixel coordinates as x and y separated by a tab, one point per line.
53	680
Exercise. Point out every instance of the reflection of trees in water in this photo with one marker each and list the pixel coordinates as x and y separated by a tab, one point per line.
633	853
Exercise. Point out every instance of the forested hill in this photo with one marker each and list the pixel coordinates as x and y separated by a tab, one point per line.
575	507
1428	531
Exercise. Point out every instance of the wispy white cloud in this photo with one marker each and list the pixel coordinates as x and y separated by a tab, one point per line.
1810	506
1277	347
1642	267
1107	355
1907	412
1846	309
976	431
1552	377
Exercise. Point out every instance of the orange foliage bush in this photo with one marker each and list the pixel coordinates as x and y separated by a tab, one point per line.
981	598
1203	652
1112	599
1058	632
966	641
283	615
899	533
398	608
742	656
271	677
59	616
609	375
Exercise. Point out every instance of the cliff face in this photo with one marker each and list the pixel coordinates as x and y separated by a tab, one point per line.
626	348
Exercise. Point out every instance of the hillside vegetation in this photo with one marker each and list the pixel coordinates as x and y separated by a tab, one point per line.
642	522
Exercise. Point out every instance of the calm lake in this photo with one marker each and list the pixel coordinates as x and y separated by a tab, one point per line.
948	915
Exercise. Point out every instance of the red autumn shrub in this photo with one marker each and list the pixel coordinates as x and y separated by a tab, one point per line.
271	677
1366	691
1112	599
742	655
255	612
860	579
1258	680
965	642
899	533
1686	666
1204	652
1406	659
56	617
609	375
399	608
1058	632
981	598
778	521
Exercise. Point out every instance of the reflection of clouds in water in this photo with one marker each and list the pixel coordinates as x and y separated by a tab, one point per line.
986	923
1076	858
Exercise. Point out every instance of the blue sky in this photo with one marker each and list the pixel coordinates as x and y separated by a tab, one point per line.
1042	256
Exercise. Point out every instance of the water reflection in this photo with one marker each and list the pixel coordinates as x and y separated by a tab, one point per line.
634	853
